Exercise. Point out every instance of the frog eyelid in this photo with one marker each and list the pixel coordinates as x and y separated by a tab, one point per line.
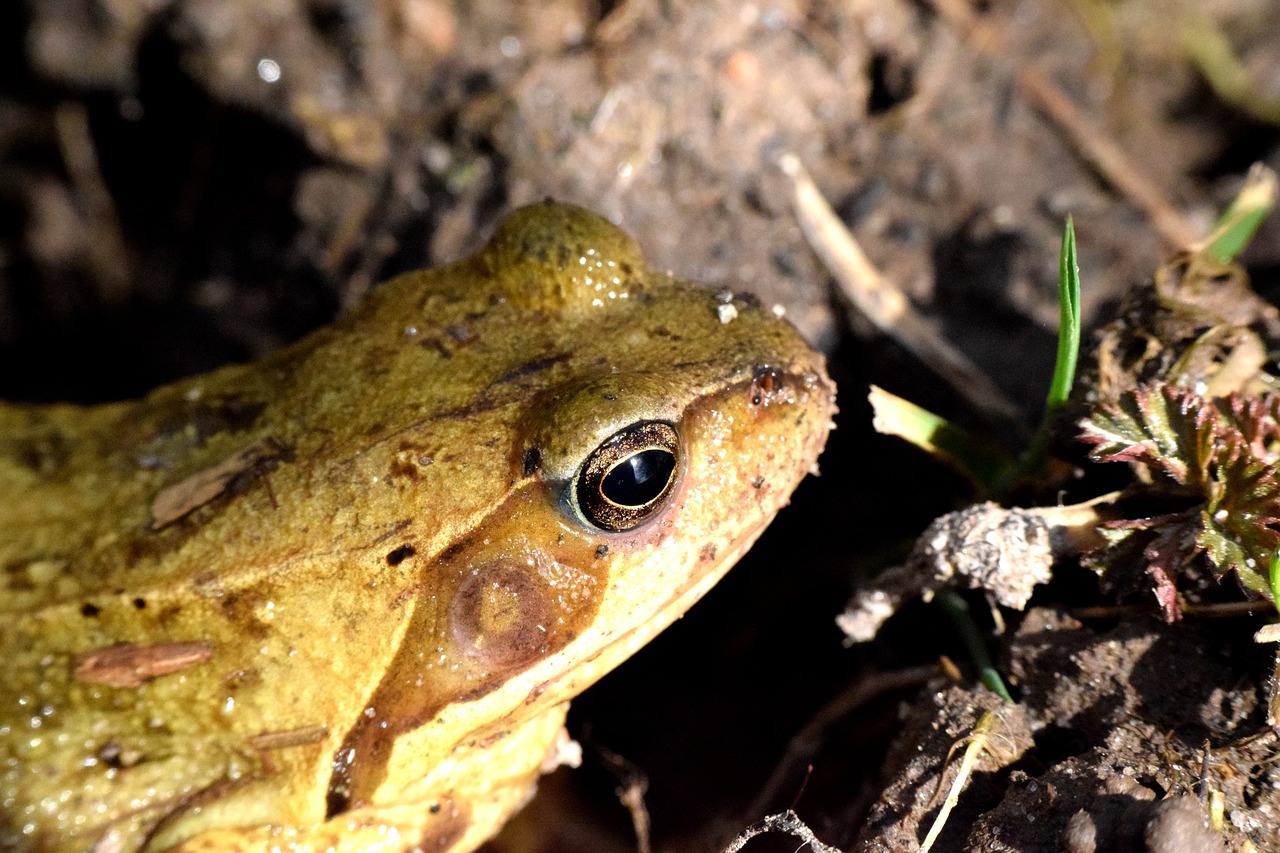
628	477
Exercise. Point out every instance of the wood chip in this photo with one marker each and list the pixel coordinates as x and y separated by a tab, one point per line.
132	665
196	490
292	737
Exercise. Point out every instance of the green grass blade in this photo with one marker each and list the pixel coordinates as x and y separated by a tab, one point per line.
958	609
982	463
1064	369
1242	217
1273	576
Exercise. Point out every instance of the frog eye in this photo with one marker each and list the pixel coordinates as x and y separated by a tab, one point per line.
629	476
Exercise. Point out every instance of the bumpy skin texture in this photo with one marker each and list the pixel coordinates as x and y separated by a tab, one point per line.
340	597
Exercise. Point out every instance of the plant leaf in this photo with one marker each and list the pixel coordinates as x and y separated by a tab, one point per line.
1222	451
1154	425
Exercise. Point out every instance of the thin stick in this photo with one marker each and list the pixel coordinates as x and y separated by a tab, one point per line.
1111	163
107	249
885	305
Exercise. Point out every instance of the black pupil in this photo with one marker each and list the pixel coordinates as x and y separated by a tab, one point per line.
639	478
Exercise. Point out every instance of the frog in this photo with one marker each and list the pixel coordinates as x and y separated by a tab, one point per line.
339	598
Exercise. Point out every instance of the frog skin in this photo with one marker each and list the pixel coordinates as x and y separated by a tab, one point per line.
339	598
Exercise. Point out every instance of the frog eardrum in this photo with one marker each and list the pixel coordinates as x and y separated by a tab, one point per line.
629	477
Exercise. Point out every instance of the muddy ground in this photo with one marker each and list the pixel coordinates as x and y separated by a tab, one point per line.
192	182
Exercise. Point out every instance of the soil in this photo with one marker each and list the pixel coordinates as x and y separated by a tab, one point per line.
191	182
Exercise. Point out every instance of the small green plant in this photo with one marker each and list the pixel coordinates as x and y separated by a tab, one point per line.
1273	575
1064	368
990	469
1220	456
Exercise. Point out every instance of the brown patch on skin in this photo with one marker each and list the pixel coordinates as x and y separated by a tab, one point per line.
231	475
405	467
45	454
132	665
399	555
410	459
399	527
241	608
437	346
452	551
708	551
449	823
483	403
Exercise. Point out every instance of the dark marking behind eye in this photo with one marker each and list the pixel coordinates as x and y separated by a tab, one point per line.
531	461
399	555
529	368
452	551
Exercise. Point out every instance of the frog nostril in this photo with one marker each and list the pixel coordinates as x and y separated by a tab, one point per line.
768	385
